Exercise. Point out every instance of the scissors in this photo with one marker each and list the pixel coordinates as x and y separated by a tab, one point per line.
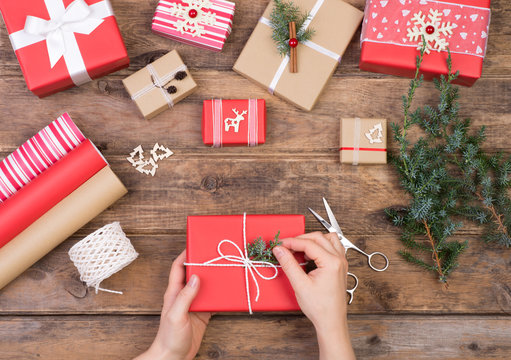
334	227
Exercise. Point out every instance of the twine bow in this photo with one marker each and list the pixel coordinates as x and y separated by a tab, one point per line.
250	266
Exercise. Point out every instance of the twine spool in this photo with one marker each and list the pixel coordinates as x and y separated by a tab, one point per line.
102	254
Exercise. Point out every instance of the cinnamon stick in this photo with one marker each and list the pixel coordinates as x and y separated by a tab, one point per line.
293	67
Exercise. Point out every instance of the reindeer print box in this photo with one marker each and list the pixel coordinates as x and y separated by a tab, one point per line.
363	141
234	122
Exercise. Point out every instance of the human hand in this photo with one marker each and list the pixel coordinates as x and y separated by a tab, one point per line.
321	293
181	332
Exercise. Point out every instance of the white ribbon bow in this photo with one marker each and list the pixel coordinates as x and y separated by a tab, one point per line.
59	32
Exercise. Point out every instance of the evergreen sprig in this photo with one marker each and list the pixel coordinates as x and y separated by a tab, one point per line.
282	14
448	176
257	250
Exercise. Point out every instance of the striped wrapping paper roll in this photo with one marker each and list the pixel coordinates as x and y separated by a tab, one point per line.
37	154
208	29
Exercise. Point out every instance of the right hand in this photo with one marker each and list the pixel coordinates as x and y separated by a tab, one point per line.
321	293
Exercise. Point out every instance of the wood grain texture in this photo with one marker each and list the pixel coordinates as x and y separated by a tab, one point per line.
275	337
402	313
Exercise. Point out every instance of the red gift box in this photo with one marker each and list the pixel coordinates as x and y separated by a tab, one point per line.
224	284
392	32
63	43
234	122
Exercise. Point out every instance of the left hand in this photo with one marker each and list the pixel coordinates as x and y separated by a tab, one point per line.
181	332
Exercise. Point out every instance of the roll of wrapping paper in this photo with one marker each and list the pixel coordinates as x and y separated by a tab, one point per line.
44	192
60	222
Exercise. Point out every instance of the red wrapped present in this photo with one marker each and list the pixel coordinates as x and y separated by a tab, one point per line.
393	30
202	23
63	43
234	122
230	281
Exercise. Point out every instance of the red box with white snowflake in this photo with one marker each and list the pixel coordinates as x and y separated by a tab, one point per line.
234	122
392	32
202	23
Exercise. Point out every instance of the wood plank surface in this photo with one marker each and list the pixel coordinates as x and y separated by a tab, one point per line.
402	313
275	337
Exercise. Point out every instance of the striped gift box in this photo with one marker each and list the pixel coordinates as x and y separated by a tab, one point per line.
37	154
202	23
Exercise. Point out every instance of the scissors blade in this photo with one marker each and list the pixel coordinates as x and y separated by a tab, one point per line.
323	222
332	218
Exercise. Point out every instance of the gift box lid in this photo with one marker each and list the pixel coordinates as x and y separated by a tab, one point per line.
151	99
335	23
223	288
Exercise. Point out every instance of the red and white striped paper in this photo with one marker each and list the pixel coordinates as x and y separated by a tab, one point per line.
214	39
37	154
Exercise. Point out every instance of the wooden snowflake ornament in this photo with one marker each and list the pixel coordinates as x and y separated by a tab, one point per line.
195	16
433	30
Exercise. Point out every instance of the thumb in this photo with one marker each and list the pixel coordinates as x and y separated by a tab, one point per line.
185	297
290	266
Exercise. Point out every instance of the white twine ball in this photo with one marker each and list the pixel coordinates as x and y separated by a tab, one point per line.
102	254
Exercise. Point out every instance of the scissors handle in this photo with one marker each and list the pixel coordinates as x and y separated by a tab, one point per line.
369	261
352	290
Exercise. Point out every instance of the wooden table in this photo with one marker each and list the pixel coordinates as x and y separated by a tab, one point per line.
403	313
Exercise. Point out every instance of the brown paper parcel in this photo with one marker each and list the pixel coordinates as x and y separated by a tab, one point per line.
335	24
153	101
374	152
60	222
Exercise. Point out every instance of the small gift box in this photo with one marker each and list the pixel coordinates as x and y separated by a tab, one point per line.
63	43
392	33
160	85
230	280
363	141
234	122
334	23
202	23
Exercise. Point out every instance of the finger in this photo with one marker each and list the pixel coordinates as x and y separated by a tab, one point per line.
320	239
297	277
336	243
176	280
312	250
185	297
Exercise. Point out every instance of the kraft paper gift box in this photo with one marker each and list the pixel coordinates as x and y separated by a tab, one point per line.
363	141
201	23
85	43
224	288
335	22
392	32
149	87
234	122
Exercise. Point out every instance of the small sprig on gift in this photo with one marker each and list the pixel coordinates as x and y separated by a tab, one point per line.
282	14
258	250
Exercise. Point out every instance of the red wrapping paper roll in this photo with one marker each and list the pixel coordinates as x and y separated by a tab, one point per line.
44	192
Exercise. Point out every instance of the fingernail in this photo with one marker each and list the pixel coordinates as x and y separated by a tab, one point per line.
194	279
277	251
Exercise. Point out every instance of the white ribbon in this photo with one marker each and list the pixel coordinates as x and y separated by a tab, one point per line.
311	44
59	33
250	266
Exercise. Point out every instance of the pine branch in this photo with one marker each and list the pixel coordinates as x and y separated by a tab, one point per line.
282	14
257	250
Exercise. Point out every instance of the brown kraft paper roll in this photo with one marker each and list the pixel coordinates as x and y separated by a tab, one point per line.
60	222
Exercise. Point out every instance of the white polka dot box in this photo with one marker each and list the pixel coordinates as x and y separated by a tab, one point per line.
394	30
